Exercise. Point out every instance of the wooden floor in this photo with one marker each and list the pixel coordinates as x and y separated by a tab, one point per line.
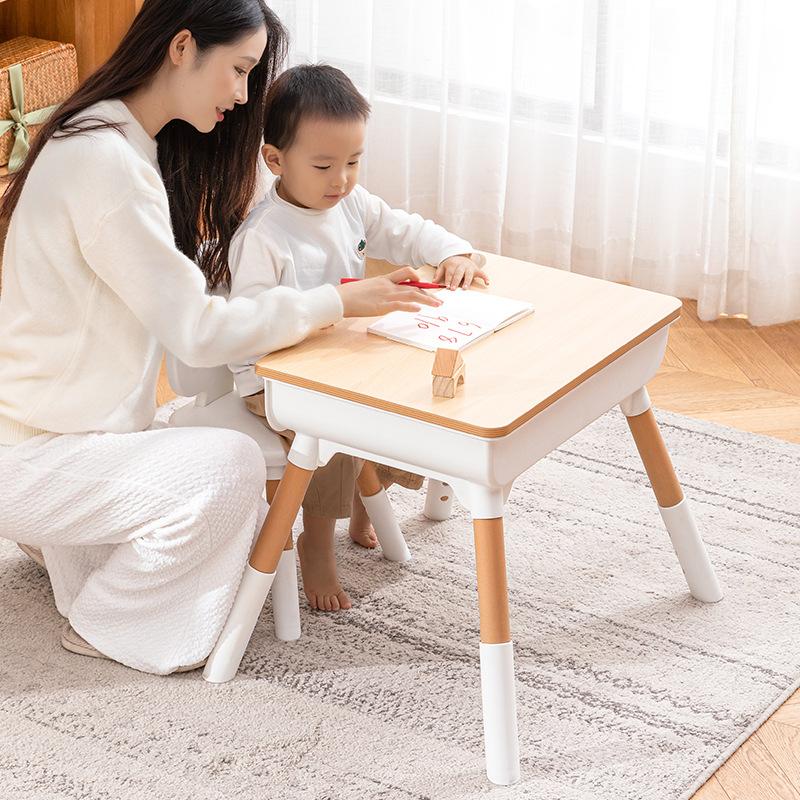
749	378
732	373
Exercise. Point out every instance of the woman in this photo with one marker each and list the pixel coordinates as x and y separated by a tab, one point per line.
145	534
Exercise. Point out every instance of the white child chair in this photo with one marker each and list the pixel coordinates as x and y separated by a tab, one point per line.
217	404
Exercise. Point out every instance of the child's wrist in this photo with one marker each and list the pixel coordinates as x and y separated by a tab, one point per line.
456	255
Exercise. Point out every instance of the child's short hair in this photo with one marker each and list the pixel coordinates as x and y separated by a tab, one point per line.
309	90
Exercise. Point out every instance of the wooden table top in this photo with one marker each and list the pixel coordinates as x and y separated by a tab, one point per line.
579	326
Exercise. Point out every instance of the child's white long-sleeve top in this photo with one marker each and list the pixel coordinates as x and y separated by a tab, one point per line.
94	287
280	244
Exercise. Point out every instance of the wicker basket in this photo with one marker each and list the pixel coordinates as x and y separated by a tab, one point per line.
49	76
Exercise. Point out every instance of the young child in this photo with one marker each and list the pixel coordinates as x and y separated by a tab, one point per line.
317	225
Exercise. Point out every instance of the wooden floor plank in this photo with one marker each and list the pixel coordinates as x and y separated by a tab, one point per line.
766	421
711	790
689	316
762	365
702	392
751	773
784	340
783	744
727	402
671	359
700	352
787	435
788	713
768	355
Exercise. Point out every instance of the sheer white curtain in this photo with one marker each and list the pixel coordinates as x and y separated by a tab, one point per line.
655	142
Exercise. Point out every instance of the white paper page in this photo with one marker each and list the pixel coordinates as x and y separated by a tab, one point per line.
464	317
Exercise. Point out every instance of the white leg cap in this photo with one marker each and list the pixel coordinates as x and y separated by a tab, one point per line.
499	713
381	515
691	552
227	654
285	602
438	501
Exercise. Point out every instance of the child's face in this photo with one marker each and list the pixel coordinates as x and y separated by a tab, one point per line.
321	165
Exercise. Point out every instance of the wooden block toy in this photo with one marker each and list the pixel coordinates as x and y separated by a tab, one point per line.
448	372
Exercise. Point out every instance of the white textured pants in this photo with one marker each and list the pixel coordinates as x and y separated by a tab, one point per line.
145	535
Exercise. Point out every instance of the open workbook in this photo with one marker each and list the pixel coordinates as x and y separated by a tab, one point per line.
464	317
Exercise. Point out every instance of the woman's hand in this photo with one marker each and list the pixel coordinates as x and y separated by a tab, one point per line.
459	271
374	297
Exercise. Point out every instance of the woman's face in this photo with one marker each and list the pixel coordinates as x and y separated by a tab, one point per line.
210	83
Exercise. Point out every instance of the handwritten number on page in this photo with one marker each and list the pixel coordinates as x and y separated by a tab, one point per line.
463	327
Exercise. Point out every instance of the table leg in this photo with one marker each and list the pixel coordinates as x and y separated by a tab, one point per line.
438	500
259	575
672	503
285	594
381	515
497	653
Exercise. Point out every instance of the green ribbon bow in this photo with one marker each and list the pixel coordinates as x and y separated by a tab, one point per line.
20	120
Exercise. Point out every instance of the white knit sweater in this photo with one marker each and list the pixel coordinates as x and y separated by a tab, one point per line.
94	287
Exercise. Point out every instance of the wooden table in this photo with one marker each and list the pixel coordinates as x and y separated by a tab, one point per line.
589	346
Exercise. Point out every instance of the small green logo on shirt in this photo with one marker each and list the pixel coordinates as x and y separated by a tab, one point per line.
362	248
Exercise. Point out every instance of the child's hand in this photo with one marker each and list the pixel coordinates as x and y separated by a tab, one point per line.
459	271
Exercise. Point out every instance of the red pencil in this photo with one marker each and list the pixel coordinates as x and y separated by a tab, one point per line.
416	284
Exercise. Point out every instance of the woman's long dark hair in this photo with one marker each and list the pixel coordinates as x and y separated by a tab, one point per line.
210	177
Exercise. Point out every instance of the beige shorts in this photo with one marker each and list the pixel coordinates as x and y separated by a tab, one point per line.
330	493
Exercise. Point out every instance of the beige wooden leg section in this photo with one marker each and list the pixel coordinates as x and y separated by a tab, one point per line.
368	481
655	458
259	575
277	527
497	654
672	504
490	563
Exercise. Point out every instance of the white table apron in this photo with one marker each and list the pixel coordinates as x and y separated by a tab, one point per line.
480	469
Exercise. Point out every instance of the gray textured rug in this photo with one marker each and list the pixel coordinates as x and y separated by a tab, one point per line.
627	688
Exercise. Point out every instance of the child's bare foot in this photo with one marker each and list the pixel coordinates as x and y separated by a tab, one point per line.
361	530
318	566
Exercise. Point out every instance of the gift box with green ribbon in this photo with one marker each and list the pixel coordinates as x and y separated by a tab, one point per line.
35	76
